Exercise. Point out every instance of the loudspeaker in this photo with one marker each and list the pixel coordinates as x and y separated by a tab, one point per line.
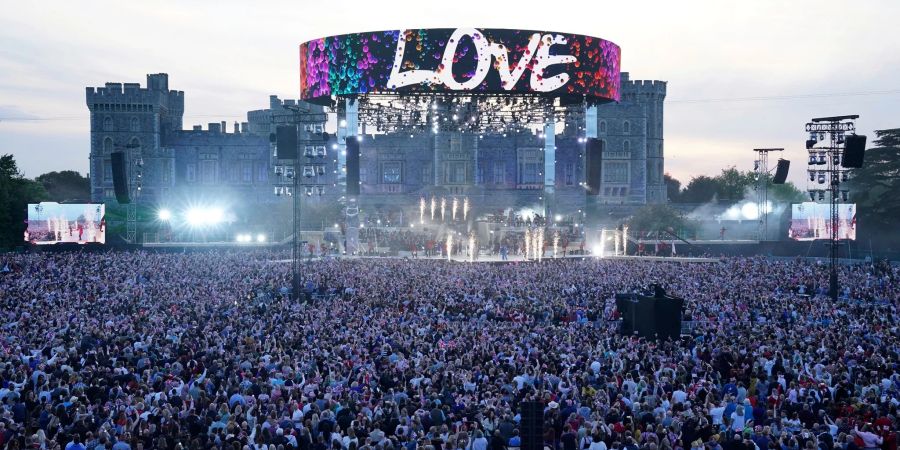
781	172
532	426
854	151
352	165
593	161
120	180
650	316
286	141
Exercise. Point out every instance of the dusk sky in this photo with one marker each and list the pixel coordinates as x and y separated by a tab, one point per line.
740	74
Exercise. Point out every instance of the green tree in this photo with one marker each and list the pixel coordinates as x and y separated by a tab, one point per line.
659	217
874	188
700	189
16	192
66	186
673	188
733	184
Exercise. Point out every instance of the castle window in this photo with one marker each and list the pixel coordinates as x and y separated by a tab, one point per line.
530	161
107	170
262	172
134	143
391	172
615	172
247	171
603	126
499	173
107	124
569	174
107	146
426	174
191	173
626	127
626	146
135	125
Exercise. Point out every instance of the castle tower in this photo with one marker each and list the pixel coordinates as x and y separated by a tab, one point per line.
652	94
632	135
137	121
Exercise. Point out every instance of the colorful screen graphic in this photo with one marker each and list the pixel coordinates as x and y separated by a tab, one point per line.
462	59
810	221
54	223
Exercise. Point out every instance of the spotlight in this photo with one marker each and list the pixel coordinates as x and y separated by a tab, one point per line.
558	217
164	214
343	123
597	250
260	237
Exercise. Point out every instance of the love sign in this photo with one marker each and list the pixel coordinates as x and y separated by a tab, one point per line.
473	60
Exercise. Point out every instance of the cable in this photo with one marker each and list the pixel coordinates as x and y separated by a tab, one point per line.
785	97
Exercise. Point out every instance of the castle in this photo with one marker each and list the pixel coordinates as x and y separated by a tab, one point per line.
178	166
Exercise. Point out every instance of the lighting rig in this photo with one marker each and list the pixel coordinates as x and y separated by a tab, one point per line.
462	112
297	172
826	170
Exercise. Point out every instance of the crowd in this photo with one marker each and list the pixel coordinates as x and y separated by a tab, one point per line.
138	350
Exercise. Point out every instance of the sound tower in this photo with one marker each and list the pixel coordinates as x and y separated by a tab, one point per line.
286	141
532	426
650	316
352	165
119	174
781	172
593	162
854	151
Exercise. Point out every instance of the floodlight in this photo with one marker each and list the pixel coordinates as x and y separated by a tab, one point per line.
164	215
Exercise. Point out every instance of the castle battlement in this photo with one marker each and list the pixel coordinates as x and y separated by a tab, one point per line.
156	93
642	86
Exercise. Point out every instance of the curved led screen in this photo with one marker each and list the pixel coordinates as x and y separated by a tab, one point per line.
489	61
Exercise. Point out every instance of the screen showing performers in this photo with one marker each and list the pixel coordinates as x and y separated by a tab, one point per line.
53	223
811	221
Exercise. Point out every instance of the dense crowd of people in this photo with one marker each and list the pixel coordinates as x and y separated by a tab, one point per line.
141	350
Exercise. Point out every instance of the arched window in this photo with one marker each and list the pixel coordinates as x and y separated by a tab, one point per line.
107	124
603	126
107	146
626	146
134	143
603	145
135	124
626	127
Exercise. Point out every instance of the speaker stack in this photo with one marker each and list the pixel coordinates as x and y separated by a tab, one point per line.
532	426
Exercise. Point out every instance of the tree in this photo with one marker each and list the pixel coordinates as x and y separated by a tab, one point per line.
673	188
700	189
733	184
874	188
659	217
66	186
16	192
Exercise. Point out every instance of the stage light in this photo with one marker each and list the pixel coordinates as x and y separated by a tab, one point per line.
597	250
343	122
165	215
750	211
194	217
197	217
558	217
260	237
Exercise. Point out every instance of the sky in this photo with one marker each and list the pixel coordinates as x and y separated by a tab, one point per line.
740	75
